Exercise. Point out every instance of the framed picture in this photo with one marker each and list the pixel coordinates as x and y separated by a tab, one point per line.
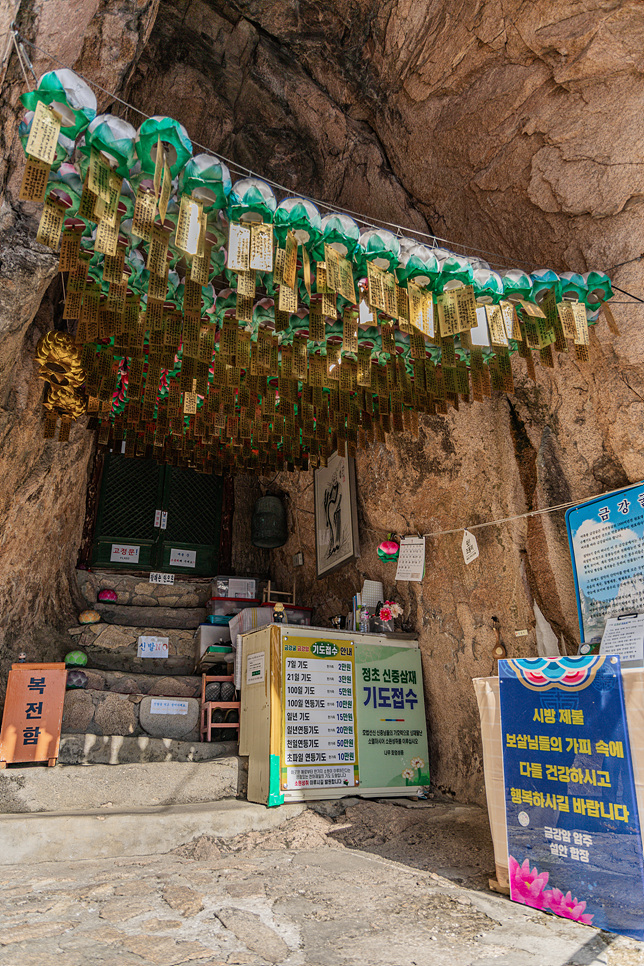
336	515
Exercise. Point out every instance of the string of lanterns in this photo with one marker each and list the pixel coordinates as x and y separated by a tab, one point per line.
217	328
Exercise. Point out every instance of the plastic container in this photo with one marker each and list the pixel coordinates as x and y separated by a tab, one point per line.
229	606
235	587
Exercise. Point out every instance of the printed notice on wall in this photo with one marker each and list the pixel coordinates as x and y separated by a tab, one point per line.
411	559
256	668
624	636
319	748
167	706
606	537
183	558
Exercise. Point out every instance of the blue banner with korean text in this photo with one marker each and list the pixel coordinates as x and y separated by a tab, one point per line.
606	538
574	841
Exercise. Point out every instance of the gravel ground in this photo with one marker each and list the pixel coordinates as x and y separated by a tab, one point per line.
374	884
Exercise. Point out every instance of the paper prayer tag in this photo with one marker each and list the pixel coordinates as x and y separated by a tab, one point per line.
238	248
34	180
261	248
43	136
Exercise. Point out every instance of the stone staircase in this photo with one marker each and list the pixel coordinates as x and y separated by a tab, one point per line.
111	721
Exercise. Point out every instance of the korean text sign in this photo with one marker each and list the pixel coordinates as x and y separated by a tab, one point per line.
392	730
606	539
574	841
33	712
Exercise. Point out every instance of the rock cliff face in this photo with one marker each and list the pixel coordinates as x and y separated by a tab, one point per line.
512	128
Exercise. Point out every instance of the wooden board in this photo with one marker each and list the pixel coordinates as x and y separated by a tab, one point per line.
33	713
255	717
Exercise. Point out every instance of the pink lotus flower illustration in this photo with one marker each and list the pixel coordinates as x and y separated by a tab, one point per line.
566	906
527	886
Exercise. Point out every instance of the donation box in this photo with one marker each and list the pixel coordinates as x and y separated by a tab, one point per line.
325	715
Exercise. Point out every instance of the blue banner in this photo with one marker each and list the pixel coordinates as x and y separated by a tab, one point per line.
606	538
574	842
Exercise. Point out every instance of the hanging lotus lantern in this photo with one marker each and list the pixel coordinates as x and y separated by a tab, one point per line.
216	233
68	95
114	138
488	286
340	232
542	281
418	263
517	285
599	289
207	179
64	145
299	216
251	200
573	286
455	270
175	140
389	549
379	246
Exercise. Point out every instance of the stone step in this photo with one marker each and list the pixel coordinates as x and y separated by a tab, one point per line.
142	785
112	833
113	647
89	749
123	682
106	713
136	589
181	618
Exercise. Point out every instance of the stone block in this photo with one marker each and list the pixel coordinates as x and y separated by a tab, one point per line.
90	749
116	714
130	615
78	712
181	727
131	683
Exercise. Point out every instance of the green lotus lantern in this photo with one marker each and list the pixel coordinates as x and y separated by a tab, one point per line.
115	139
69	95
599	288
206	179
455	270
517	285
542	281
299	216
379	246
573	287
251	200
64	146
488	286
176	143
341	233
418	263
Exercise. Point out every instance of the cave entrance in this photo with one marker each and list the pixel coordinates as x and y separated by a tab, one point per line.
153	517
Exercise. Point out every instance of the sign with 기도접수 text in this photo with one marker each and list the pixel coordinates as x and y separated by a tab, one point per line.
606	537
574	842
124	553
149	646
33	713
390	710
183	558
319	748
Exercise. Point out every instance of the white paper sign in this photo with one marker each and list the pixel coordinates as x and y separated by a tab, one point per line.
152	646
166	706
255	668
161	578
157	518
123	552
624	636
164	520
411	559
183	558
470	547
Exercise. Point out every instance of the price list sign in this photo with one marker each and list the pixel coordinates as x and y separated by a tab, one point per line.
319	747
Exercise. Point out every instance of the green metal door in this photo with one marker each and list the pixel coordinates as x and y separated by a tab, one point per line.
153	517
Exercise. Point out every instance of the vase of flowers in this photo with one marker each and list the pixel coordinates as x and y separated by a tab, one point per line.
386	615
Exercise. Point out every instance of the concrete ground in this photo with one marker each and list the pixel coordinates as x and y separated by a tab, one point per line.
366	884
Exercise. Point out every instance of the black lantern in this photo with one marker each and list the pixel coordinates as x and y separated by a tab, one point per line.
268	526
